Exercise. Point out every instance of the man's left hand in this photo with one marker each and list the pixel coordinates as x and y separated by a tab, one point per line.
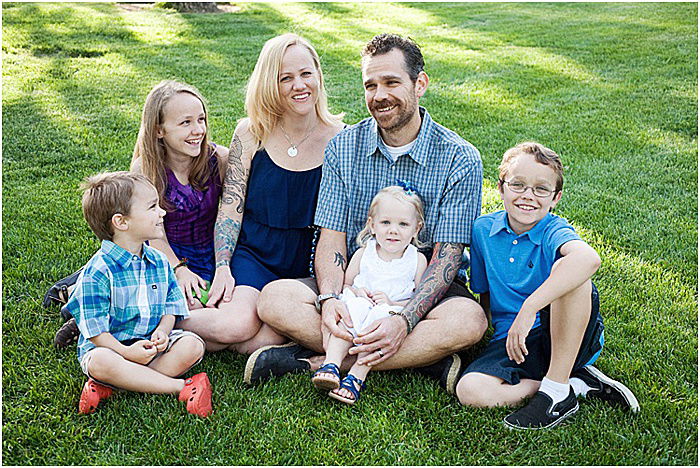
381	340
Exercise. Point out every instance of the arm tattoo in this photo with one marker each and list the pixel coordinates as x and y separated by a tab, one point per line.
447	258
226	233
339	260
235	182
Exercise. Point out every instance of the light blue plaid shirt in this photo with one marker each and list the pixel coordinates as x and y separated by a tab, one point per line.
120	293
445	169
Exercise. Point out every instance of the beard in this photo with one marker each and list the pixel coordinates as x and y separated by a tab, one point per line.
404	114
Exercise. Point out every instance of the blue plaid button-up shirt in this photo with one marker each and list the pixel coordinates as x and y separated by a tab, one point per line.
123	294
445	169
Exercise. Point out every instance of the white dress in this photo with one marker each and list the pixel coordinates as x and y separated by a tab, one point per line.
395	278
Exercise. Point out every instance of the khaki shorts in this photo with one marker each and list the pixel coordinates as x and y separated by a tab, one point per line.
174	336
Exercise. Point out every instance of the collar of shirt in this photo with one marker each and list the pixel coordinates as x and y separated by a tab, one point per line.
122	256
535	234
420	151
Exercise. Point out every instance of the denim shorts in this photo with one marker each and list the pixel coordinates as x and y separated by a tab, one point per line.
495	361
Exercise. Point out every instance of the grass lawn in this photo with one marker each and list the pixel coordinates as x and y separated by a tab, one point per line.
610	87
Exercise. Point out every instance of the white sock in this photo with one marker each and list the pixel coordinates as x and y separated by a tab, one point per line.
580	387
556	391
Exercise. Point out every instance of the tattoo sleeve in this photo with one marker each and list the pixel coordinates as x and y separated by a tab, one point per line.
230	215
438	276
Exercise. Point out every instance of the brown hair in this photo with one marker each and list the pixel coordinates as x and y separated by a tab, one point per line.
107	194
405	196
151	149
542	154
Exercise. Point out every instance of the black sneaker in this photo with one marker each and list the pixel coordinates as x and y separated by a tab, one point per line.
445	371
67	334
541	413
58	293
607	389
276	361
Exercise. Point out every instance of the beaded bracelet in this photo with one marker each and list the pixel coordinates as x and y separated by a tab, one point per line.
183	262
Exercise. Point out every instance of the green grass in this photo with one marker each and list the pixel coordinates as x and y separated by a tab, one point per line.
611	87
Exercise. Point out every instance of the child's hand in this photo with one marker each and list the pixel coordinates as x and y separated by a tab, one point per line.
140	352
190	283
363	292
515	343
380	297
159	339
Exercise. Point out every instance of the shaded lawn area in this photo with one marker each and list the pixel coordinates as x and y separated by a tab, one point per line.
610	87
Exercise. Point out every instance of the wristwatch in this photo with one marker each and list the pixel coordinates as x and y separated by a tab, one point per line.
322	297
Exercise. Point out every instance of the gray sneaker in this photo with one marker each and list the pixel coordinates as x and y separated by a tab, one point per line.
276	361
607	389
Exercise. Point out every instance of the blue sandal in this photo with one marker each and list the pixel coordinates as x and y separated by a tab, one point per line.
322	382
348	383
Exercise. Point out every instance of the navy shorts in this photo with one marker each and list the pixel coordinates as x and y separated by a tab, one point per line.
495	361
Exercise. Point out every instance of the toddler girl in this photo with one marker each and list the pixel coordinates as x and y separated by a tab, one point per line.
379	281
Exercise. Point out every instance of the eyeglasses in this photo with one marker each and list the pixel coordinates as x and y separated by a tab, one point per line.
519	187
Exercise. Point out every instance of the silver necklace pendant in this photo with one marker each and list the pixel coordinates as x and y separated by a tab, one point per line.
292	151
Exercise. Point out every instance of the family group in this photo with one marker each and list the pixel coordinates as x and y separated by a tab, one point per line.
315	246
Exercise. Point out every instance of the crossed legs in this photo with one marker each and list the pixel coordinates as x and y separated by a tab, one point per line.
456	323
233	325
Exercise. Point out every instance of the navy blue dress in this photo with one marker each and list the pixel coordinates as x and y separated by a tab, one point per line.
276	234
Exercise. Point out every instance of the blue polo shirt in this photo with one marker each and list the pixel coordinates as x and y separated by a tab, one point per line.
510	267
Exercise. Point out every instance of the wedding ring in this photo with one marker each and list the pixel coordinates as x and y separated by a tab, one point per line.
380	353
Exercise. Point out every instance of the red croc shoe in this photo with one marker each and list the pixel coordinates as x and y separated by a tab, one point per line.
93	393
197	394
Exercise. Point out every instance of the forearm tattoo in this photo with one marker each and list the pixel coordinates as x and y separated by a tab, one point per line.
235	181
339	260
437	278
226	232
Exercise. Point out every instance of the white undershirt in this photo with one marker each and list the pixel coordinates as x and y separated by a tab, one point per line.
396	151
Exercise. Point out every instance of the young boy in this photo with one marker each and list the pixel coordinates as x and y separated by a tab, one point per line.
127	298
535	272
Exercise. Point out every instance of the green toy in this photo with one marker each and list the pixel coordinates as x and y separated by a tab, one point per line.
204	294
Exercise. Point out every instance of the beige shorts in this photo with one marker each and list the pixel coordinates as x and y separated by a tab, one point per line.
175	335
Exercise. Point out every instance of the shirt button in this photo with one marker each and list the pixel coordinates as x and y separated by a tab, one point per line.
515	242
511	259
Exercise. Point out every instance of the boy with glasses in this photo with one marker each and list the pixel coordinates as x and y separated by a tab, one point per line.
534	272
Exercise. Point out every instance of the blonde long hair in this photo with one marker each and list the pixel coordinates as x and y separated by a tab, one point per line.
403	195
263	104
151	149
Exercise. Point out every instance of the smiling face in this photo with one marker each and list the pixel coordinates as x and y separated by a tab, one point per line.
298	80
525	209
183	126
145	218
390	95
393	225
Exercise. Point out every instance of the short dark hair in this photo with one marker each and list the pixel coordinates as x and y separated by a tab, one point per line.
385	43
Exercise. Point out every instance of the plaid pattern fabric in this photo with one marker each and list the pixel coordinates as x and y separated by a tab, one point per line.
120	293
445	169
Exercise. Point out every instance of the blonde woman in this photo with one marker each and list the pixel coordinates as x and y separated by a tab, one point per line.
263	229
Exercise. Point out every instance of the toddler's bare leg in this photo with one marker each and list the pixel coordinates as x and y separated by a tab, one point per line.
110	367
358	371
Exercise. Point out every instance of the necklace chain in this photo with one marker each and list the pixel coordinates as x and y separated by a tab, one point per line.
293	149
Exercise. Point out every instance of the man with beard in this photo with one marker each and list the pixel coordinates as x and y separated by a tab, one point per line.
402	145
